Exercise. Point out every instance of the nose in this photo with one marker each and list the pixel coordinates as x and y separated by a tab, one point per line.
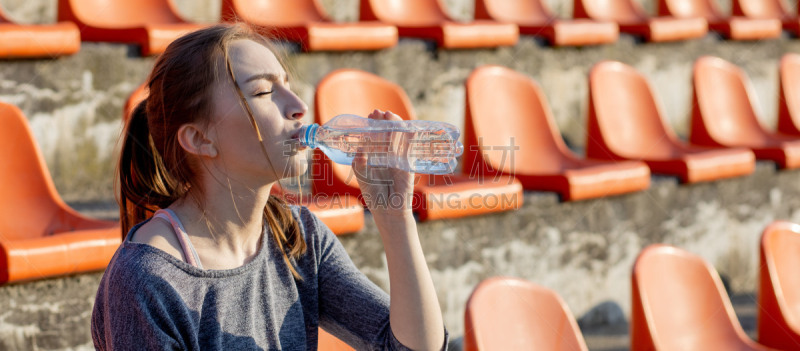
295	107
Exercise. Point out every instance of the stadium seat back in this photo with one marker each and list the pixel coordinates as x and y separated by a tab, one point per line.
761	8
626	112
789	109
679	303
508	108
30	203
723	98
780	255
274	12
328	342
620	11
404	12
350	91
513	314
525	11
707	9
119	14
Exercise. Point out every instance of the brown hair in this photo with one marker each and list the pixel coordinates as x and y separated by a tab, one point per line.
154	170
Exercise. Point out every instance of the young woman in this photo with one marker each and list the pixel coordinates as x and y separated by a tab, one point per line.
224	265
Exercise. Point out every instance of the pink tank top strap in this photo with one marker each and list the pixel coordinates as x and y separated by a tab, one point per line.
180	233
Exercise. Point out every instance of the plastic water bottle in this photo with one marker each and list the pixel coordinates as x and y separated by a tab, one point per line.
415	146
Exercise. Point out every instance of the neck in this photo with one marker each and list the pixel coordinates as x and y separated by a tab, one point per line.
228	216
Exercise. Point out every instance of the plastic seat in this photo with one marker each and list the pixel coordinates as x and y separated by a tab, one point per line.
534	18
504	106
341	213
723	115
435	196
736	27
789	104
632	19
779	286
134	99
40	236
625	123
328	342
679	303
428	19
306	22
776	9
31	41
152	24
513	314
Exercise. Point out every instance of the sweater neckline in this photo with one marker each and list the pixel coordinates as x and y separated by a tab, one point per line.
196	271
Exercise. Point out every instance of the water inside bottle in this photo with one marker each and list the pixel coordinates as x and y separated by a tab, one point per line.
432	152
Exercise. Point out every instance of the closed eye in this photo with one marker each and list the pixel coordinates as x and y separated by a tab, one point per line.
263	93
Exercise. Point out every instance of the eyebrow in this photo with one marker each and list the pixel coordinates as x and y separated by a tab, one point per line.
268	76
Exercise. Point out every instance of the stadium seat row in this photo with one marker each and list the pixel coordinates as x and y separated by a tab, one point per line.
506	113
678	303
153	24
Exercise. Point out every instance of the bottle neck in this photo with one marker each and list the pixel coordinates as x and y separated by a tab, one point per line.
309	137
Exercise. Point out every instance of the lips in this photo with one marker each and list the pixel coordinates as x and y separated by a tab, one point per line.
295	138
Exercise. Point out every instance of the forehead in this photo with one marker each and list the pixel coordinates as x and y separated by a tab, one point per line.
249	57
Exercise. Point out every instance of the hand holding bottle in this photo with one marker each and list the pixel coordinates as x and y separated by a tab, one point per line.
386	190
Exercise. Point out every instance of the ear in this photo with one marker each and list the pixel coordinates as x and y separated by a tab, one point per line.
195	141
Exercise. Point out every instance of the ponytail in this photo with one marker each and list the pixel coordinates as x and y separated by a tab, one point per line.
145	185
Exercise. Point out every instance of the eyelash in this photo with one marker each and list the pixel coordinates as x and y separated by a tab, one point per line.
263	93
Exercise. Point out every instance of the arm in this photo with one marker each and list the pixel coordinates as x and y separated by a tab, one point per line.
415	315
134	312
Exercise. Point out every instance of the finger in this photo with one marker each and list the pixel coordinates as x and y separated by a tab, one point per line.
376	114
389	115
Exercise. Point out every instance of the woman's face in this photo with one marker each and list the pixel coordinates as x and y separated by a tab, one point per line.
276	109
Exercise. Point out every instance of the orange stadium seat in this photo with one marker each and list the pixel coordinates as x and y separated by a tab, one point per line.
306	22
776	9
134	99
328	342
789	104
625	123
736	27
435	196
30	41
342	214
679	303
428	19
152	24
779	286
513	314
722	115
504	108
40	235
632	19
534	18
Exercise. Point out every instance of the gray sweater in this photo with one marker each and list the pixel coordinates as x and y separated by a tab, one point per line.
149	299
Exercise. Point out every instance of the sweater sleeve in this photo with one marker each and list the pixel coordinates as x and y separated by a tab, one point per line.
351	307
135	310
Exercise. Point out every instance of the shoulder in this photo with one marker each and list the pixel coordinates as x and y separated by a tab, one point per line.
311	227
158	234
